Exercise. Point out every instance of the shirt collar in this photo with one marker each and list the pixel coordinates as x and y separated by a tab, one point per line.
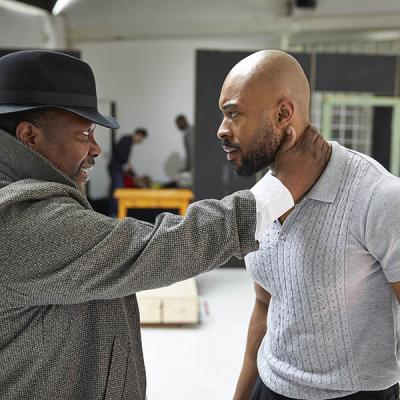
327	186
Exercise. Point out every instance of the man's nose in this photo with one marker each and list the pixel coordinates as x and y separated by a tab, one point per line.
95	149
223	131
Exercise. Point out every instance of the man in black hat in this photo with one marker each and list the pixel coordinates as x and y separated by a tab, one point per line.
69	321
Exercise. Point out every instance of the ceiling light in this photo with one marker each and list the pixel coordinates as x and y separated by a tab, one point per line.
61	5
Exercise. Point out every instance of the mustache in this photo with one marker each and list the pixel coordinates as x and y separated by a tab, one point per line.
89	161
227	143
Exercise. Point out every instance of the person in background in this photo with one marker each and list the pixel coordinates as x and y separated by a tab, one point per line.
120	166
326	319
188	140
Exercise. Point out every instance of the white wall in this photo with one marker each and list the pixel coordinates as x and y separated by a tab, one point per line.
22	30
19	30
152	81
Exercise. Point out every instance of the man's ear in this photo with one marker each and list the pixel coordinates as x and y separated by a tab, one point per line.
27	133
285	113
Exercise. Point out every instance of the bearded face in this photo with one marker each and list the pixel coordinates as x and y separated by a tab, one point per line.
257	154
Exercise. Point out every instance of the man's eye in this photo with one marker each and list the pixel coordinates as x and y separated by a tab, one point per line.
89	130
233	114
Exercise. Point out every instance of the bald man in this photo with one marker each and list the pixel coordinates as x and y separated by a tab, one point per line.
325	323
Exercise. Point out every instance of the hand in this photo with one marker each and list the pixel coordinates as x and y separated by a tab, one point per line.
298	166
127	166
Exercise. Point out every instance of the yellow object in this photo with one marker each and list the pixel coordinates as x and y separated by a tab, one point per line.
152	198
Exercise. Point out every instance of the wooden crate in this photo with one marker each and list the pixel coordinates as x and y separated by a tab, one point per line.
175	304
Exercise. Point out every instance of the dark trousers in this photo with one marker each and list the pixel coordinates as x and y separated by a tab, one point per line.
117	181
261	392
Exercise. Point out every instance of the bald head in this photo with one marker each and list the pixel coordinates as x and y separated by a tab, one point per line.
261	97
270	76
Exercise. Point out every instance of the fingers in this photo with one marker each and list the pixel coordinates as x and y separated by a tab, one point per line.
314	129
311	140
289	140
319	143
308	138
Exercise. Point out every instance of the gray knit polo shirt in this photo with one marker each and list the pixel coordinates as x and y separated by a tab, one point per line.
333	323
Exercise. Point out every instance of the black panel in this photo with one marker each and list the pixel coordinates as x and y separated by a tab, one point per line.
356	73
43	4
214	177
305	61
381	135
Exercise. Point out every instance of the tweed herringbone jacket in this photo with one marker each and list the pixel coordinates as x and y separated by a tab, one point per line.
69	321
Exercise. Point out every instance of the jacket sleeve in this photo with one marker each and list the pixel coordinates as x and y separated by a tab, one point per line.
68	254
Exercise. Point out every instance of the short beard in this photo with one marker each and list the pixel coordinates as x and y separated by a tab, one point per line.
262	153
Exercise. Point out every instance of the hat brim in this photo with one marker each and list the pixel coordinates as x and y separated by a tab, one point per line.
85	112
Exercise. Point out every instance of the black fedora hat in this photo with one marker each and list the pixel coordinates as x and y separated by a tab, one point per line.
33	79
